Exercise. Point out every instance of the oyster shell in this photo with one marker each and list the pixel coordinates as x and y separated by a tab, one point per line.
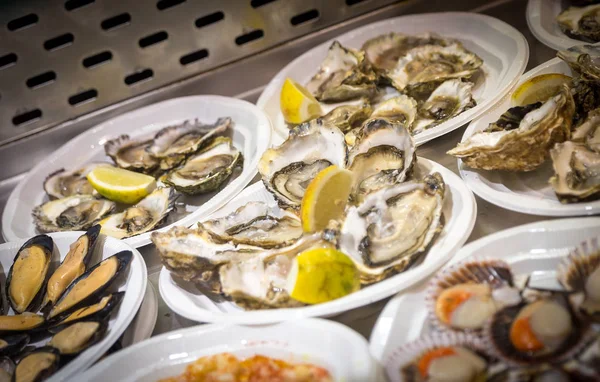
38	365
77	337
73	213
383	155
27	277
347	117
384	51
142	217
207	170
256	224
131	154
432	63
393	227
584	60
62	183
582	23
504	145
589	131
449	99
172	144
577	172
287	169
74	265
88	287
344	75
401	109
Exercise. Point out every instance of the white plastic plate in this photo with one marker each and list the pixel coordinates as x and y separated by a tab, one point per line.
133	283
526	192
459	214
143	323
503	49
340	350
534	249
541	19
251	135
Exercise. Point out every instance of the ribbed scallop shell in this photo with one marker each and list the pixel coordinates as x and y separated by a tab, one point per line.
574	269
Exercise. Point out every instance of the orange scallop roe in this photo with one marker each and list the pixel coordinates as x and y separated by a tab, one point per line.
448	301
522	336
427	358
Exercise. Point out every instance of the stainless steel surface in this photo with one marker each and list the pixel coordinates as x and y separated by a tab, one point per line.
230	80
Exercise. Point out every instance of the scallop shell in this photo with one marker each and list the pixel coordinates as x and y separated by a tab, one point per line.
580	263
497	273
399	360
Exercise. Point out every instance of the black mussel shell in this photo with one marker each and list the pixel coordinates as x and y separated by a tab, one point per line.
47	245
123	258
13	344
86	313
29	361
74	348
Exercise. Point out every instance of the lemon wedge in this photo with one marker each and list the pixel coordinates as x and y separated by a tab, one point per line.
297	104
325	198
320	275
539	88
120	185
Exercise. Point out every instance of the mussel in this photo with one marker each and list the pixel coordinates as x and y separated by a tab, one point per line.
98	311
21	322
26	281
7	369
77	337
10	345
88	288
37	365
74	265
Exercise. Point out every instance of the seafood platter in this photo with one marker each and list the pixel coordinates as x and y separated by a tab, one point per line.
541	158
561	24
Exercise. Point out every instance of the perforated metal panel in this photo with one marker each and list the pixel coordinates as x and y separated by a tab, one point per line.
62	59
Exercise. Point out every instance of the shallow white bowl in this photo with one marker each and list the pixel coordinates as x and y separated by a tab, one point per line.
541	19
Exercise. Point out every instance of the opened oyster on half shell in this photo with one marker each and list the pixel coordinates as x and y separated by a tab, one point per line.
521	139
73	213
582	23
131	154
63	183
401	109
347	117
344	75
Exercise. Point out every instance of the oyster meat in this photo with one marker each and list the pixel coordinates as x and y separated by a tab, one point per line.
432	63
287	169
588	132
521	139
347	117
582	23
142	217
64	183
256	224
73	213
207	170
131	154
344	75
383	155
449	99
393	227
384	51
401	109
577	172
171	145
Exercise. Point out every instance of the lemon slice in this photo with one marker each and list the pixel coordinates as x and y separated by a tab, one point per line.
325	198
538	89
320	275
297	104
120	185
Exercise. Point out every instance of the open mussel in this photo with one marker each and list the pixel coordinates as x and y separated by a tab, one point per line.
27	277
74	265
88	288
77	337
24	322
37	365
10	345
97	312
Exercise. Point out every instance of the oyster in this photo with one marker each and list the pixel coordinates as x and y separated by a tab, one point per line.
207	170
196	256
581	23
77	337
347	117
27	277
384	51
10	345
257	224
431	63
344	75
63	183
383	155
74	265
98	311
401	109
73	213
20	322
393	227
142	217
584	60
37	365
88	287
577	172
131	154
174	143
521	139
449	99
287	169
589	131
